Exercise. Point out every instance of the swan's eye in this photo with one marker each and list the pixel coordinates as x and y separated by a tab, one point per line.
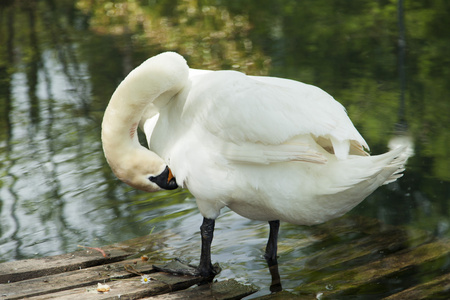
165	180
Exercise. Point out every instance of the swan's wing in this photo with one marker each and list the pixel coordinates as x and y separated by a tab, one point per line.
265	114
266	154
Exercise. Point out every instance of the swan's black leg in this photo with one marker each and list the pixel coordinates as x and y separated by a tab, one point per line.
271	248
205	268
271	256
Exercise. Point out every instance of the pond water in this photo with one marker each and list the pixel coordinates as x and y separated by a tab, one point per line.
60	61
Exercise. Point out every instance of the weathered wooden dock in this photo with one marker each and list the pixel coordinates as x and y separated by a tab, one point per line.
76	276
383	254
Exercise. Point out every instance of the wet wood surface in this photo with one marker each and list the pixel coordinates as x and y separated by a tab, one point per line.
367	262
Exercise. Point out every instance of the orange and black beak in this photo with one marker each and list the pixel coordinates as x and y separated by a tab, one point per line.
165	180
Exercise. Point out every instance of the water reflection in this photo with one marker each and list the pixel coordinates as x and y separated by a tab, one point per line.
61	60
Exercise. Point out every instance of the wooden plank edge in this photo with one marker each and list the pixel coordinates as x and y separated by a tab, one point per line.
39	267
74	279
438	288
221	290
130	288
84	258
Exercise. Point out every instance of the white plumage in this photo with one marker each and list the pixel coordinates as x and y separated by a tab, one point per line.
268	148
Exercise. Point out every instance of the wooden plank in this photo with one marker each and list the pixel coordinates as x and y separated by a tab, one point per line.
84	258
437	288
285	295
349	281
222	290
34	268
130	288
73	279
82	283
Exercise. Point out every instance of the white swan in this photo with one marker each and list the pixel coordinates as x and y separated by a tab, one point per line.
268	148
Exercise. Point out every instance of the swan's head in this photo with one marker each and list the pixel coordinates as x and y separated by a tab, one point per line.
143	170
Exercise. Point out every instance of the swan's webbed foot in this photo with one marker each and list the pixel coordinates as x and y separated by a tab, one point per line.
180	268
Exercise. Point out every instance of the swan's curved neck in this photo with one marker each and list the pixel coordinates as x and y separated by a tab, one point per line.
153	83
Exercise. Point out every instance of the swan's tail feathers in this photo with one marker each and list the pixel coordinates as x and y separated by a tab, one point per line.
397	165
362	176
402	148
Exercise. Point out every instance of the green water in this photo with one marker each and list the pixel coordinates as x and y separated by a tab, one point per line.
61	60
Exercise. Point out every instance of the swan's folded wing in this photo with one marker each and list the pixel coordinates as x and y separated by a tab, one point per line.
270	111
266	154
